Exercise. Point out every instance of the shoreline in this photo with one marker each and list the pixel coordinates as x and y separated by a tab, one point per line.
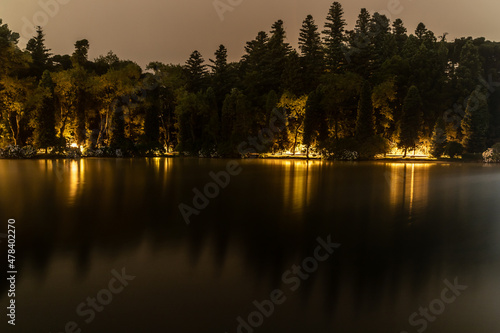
284	158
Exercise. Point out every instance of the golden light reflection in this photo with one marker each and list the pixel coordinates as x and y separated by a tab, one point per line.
297	184
76	179
409	185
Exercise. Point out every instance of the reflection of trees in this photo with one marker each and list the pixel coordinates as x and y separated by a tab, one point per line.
272	213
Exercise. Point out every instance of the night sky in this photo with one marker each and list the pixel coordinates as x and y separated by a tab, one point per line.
169	30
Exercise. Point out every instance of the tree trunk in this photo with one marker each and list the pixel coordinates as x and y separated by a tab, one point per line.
295	140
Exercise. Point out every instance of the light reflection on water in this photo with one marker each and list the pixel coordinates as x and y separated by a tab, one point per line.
404	228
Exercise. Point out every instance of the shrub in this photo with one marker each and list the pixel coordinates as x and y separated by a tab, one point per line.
492	155
454	149
372	146
17	152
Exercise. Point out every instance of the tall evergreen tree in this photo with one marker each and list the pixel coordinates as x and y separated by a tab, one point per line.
475	123
365	125
196	72
379	31
439	138
45	128
410	126
223	79
400	34
469	70
315	122
256	68
236	123
312	54
360	45
293	79
334	38
39	54
278	53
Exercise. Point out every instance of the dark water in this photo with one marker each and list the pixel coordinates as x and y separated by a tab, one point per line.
403	230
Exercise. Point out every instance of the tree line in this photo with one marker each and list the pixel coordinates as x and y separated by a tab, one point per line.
368	90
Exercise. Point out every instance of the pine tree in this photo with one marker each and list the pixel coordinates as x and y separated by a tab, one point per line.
278	53
196	72
45	129
365	125
39	54
469	70
399	33
380	39
293	79
475	123
439	139
315	123
256	68
311	52
235	124
410	126
360	45
420	31
425	36
334	39
222	78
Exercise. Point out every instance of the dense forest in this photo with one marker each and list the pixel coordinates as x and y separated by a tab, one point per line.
370	90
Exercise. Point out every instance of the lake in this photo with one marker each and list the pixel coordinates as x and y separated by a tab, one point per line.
272	246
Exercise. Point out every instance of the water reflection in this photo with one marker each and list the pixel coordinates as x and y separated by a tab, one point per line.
266	220
409	185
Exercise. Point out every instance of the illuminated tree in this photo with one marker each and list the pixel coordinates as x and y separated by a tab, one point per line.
45	127
410	126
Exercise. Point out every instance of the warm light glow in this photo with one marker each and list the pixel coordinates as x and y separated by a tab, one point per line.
74	145
422	151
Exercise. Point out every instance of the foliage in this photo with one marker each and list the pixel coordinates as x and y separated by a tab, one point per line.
492	155
439	139
475	123
453	149
411	122
342	91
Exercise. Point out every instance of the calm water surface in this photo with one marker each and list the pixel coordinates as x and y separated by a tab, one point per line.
403	228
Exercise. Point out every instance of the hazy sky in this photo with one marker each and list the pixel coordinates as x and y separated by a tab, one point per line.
169	30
